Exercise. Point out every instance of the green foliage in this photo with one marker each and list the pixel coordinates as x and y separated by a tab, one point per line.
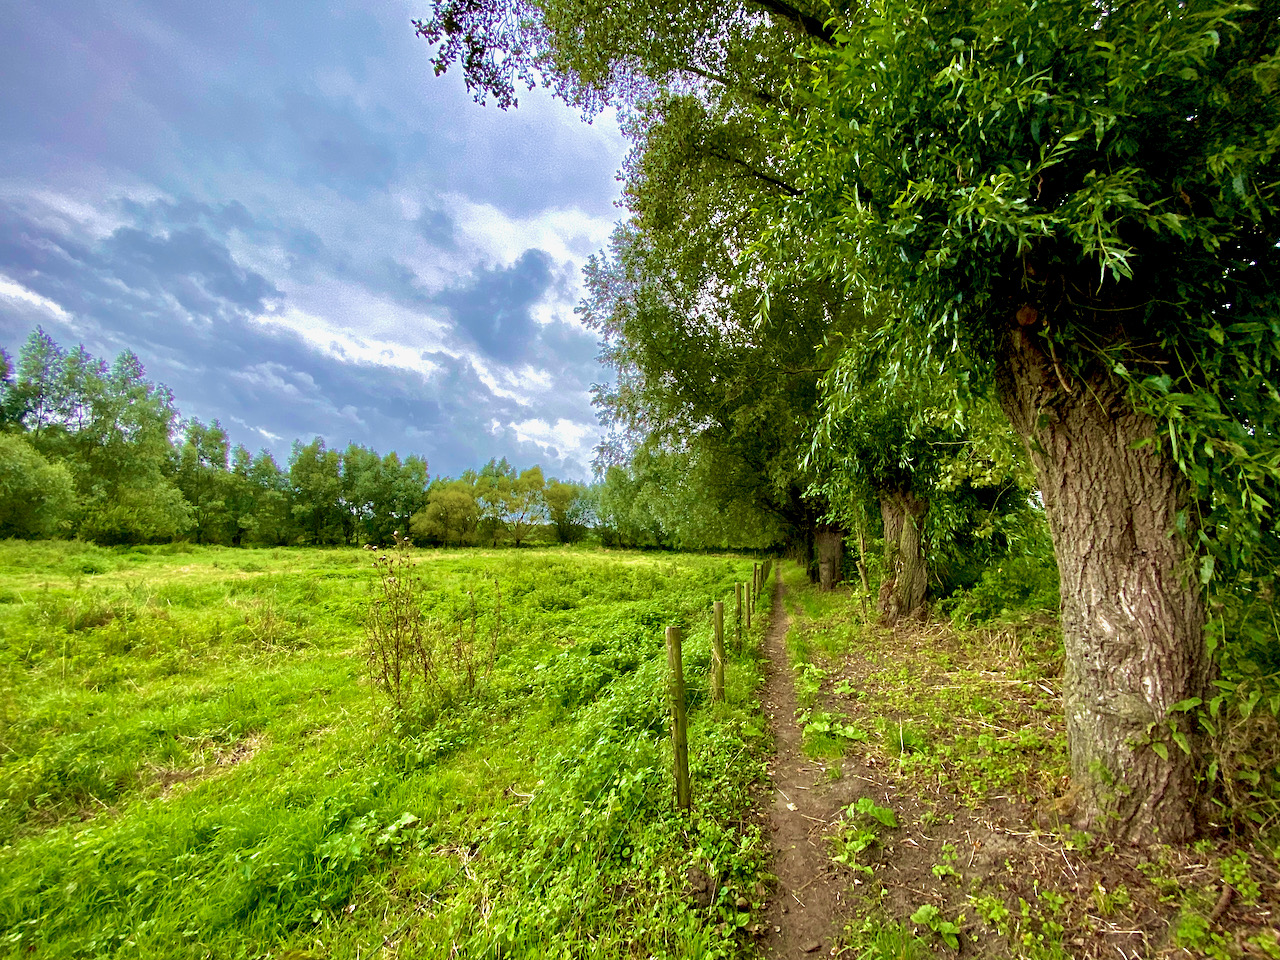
451	516
188	760
37	498
877	938
946	930
204	481
860	830
569	508
711	411
135	514
1015	585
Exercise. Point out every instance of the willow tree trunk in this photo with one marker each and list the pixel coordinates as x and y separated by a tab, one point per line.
829	542
1132	614
906	576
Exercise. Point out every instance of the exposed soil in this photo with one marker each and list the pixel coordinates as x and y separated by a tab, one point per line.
1004	864
213	759
806	914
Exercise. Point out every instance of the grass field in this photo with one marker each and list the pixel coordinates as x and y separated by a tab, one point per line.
194	762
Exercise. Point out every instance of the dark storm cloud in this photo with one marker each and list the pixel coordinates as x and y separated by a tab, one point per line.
211	185
438	229
177	297
495	306
134	277
334	146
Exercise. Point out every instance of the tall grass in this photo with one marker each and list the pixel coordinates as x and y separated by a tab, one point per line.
193	761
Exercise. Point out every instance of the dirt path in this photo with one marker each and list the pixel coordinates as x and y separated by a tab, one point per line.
808	908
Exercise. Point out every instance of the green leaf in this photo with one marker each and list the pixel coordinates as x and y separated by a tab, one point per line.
925	915
1206	569
1161	751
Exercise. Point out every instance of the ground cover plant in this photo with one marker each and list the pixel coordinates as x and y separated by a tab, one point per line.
961	840
197	759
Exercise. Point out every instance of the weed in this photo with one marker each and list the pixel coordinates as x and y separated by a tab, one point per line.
411	656
903	737
860	831
1236	871
947	867
946	930
1108	902
876	938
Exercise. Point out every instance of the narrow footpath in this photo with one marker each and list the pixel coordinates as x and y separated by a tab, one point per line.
808	908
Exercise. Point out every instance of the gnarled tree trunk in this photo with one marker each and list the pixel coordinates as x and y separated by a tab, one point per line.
829	542
1132	614
906	576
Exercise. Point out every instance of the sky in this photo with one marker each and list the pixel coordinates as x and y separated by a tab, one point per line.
301	230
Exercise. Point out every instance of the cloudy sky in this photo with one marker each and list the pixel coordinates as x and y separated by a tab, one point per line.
299	229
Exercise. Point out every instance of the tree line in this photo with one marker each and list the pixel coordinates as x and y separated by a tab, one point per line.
97	451
919	272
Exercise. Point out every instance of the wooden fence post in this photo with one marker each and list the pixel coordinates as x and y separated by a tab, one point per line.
746	600
717	653
679	735
737	613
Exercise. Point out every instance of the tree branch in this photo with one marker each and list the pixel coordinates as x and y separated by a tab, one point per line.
809	25
758	174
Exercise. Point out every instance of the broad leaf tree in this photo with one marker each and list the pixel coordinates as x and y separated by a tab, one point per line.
1081	202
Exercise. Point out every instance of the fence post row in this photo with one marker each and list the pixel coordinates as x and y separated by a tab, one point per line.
717	653
737	614
679	733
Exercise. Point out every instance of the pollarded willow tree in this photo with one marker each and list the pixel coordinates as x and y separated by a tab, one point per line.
1080	200
1077	200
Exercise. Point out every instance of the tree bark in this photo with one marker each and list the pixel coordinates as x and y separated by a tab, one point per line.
830	547
1132	614
906	576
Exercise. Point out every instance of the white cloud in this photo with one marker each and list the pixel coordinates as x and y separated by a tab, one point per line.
567	235
343	344
261	431
573	441
86	213
17	293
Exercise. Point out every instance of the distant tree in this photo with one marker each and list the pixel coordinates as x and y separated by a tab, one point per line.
315	484
203	479
362	492
526	508
450	516
493	494
111	428
10	410
395	491
121	450
569	508
240	495
37	498
39	371
271	520
624	517
136	514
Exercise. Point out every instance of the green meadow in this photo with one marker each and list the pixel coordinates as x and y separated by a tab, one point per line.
196	759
